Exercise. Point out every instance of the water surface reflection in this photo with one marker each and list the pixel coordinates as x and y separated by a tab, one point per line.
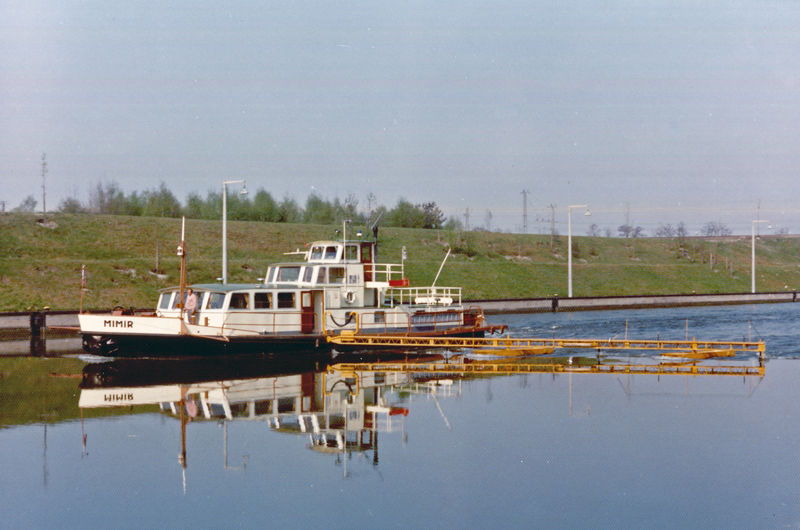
250	442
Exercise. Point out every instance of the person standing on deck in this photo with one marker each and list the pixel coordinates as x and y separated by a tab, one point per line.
191	305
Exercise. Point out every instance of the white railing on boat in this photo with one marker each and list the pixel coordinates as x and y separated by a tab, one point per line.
423	296
385	272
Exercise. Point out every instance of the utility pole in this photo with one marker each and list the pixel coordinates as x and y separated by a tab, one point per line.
44	172
552	224
525	211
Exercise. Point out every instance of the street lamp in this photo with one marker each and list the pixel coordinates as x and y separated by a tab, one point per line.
569	245
225	224
753	255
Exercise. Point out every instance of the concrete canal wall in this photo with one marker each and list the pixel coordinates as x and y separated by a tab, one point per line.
544	305
34	320
51	319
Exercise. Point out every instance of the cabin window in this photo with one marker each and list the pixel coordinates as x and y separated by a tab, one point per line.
263	301
164	302
330	253
351	252
366	253
337	275
286	405
240	410
201	296
307	273
380	317
286	301
322	275
271	275
316	253
177	298
288	274
215	300
240	301
263	406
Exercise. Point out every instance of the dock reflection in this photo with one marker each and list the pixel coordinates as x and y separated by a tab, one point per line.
339	409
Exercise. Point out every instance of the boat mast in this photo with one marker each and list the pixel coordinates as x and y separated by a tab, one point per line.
182	255
344	253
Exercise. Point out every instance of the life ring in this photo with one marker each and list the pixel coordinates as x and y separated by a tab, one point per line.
350	297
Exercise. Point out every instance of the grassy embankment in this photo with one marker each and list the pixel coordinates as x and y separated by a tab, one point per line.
41	266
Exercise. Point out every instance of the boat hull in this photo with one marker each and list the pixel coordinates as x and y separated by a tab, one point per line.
151	336
189	346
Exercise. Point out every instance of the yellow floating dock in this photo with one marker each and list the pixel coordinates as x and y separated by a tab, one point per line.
499	367
538	346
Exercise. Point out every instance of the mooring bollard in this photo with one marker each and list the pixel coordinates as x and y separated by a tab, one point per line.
38	322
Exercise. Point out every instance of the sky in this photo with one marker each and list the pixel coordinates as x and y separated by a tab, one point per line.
646	111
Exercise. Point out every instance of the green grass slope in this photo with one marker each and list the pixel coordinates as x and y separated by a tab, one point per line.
42	266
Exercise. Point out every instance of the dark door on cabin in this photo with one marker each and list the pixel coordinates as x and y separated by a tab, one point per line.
306	312
366	259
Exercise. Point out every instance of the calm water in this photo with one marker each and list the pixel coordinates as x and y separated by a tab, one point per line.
288	447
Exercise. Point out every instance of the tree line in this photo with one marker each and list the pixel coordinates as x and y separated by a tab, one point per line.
107	198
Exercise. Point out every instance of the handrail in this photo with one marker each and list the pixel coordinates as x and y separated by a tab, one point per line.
411	295
386	272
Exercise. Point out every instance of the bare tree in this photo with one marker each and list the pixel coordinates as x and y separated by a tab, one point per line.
715	229
630	232
682	232
627	230
664	231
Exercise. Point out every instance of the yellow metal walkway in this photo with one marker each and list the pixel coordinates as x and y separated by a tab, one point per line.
538	346
504	368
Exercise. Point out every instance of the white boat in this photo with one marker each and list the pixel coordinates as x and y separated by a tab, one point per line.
337	287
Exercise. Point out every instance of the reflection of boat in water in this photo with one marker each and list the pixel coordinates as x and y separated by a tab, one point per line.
338	411
339	287
127	373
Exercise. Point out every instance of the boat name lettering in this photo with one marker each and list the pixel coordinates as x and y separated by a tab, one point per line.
117	397
118	323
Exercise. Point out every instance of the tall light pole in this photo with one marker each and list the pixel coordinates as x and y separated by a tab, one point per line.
569	245
753	255
225	224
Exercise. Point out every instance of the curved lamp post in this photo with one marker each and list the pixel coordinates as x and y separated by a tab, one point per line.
569	244
225	224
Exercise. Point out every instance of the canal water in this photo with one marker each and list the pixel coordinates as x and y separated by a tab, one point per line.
267	443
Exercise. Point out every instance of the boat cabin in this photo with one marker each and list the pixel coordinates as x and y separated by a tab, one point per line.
336	280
